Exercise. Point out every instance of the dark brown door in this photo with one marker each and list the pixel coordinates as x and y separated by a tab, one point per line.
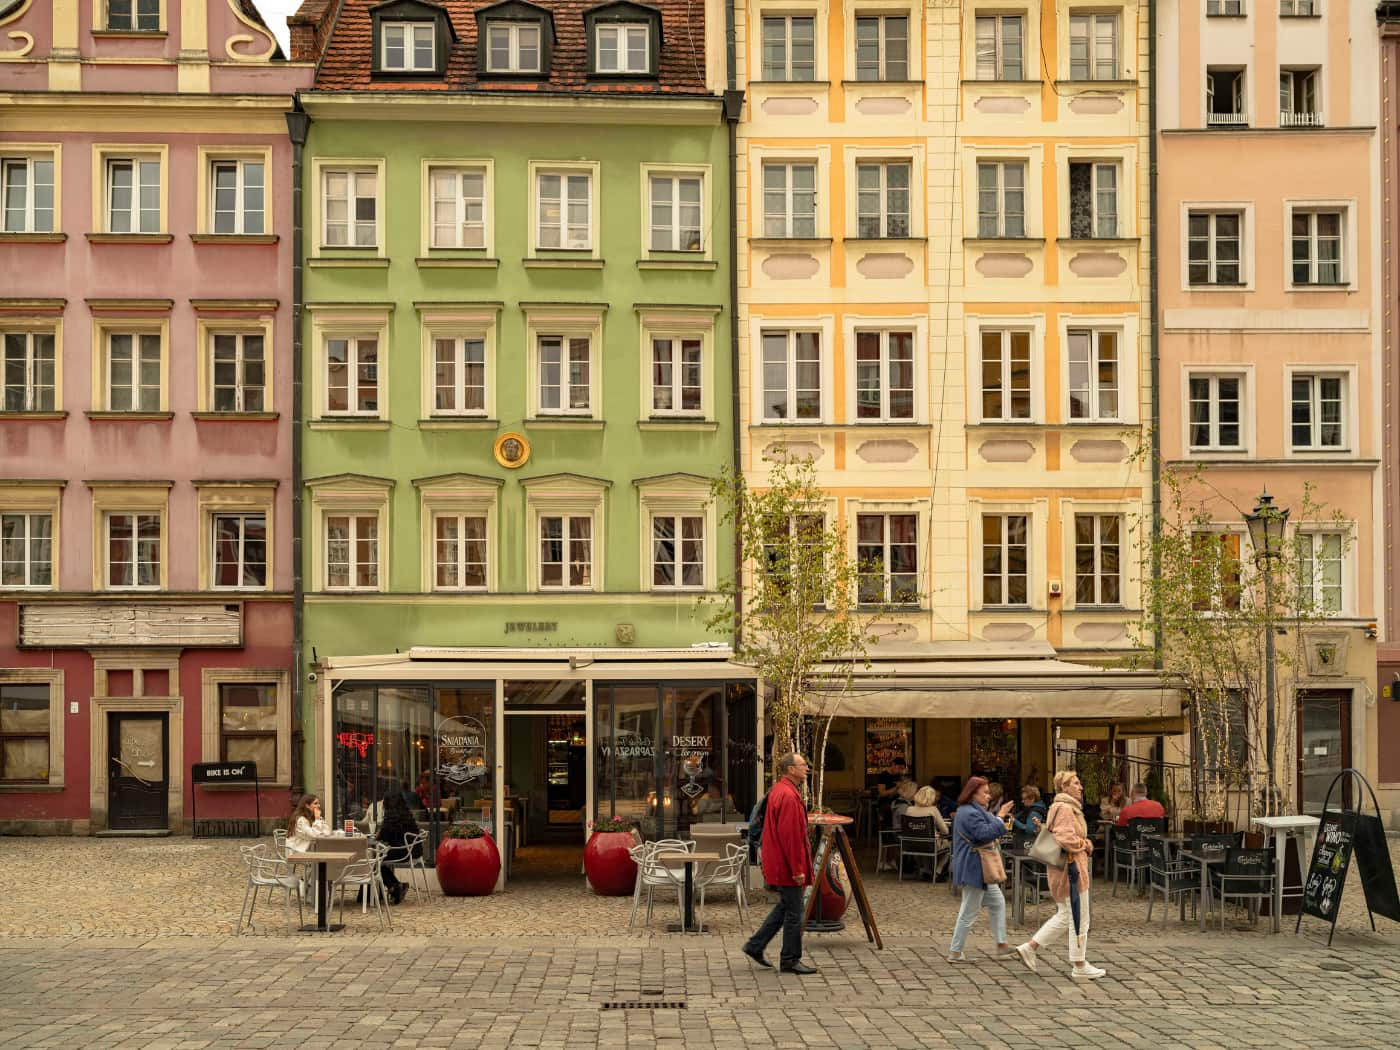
1324	747
138	771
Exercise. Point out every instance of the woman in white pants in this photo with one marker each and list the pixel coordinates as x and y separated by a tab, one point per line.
1066	822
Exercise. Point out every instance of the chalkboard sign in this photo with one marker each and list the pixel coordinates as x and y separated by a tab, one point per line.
1377	876
1331	860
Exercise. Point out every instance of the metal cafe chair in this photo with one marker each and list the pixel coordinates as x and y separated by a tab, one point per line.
652	875
364	876
275	874
403	857
1247	875
918	839
1130	848
279	842
1171	878
729	872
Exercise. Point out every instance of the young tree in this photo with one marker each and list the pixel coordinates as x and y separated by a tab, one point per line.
802	609
1211	604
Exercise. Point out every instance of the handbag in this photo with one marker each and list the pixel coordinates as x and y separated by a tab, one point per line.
1046	849
993	867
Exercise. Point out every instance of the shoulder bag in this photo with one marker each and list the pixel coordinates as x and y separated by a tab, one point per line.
993	867
1047	849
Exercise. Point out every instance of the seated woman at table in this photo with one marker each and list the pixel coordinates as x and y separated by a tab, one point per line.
1029	815
1112	804
926	805
306	824
398	824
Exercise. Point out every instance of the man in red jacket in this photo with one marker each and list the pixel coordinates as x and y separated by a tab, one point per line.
787	866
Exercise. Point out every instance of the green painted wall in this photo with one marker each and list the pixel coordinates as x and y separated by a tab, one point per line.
350	624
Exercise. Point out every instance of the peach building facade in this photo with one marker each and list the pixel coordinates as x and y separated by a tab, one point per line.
943	299
1270	314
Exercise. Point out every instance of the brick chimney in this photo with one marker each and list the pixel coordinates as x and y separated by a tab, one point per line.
310	28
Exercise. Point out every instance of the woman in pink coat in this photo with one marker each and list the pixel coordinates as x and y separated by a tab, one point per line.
1066	822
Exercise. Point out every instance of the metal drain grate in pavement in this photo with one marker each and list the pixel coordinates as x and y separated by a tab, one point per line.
645	1004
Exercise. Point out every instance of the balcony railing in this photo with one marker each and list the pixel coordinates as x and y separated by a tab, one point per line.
1300	120
1227	120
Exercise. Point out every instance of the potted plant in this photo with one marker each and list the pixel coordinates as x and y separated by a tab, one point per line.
610	868
468	863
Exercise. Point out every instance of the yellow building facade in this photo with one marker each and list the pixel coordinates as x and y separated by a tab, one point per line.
944	300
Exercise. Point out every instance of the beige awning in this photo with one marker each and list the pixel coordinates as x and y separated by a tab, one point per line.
1033	683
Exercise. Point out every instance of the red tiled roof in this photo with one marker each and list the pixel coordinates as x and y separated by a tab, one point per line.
346	66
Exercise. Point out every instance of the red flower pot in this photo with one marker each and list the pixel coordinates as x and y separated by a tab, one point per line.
611	870
468	867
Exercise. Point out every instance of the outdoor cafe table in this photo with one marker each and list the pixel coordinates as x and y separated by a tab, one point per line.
670	857
321	858
1304	828
1205	861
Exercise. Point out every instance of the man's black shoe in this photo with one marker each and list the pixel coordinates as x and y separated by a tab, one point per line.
758	958
799	968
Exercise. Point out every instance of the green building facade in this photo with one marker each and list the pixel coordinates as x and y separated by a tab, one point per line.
516	363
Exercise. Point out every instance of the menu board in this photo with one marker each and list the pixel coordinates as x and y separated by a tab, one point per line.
1331	860
885	740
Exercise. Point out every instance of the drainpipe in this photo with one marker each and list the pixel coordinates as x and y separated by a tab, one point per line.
733	108
1152	326
298	123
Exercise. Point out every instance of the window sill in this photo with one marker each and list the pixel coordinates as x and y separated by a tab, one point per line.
708	426
885	424
234	238
41	416
1007	609
233	417
1098	242
129	238
1226	14
456	262
894	608
789	242
564	423
794	424
885	240
1315	14
458	423
1003	83
348	424
790	83
33	238
677	264
909	84
535	262
1340	286
1030	424
348	262
1097	85
107	415
31	789
1218	286
1003	242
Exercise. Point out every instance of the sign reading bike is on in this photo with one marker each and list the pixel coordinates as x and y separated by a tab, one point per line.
462	750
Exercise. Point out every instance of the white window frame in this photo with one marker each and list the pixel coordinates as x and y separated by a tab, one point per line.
678	324
1346	250
462	205
1034	394
28	540
673	229
1246	425
1245	213
882	334
677	364
352	342
1095	335
341	322
1239	99
761	64
212	334
623	33
1090	25
565	324
459	346
348	495
1299	8
565	388
458	323
1307	536
243	514
791	389
1097	168
677	496
998	69
235	499
457	496
135	26
788	216
884	514
33	388
29	213
459	563
1099	575
136	515
514	29
882	62
883	213
410	32
1005	514
241	213
1347	378
566	538
355	519
1002	214
566	495
1224	8
138	334
677	565
1292	81
589	171
352	173
137	217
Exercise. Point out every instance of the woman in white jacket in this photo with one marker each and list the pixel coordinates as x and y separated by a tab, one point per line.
306	824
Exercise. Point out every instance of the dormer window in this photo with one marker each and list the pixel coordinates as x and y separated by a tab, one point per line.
512	47
623	40
412	38
407	47
622	49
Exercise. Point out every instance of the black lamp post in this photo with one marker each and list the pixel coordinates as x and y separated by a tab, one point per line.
1266	528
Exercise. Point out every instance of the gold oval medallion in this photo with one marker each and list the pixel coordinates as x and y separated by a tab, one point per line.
512	450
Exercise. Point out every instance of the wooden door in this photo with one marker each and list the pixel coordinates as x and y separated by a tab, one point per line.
1324	747
138	771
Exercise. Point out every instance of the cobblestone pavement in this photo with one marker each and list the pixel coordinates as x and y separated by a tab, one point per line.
127	944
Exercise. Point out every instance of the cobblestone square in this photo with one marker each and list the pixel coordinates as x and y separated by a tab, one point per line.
129	944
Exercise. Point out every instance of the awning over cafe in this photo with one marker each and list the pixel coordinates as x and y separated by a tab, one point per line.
991	680
450	663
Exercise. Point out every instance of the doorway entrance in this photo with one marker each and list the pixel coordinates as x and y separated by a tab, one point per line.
1324	746
546	792
138	771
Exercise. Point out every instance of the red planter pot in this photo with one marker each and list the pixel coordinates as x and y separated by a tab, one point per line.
468	867
611	870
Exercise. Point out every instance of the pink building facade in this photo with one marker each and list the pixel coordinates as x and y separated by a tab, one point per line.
146	573
1269	204
1388	667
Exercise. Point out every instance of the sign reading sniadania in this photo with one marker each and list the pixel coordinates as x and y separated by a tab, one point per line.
461	750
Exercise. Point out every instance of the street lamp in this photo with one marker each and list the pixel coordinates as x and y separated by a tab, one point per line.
1266	527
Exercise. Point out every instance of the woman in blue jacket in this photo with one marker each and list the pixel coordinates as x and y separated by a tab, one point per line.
974	826
1028	817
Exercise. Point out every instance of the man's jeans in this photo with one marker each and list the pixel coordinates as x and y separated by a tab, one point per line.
787	913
